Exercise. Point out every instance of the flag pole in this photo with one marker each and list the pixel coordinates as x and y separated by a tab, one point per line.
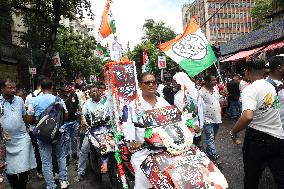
218	71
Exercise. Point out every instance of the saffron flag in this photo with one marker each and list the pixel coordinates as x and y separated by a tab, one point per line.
191	50
146	66
107	25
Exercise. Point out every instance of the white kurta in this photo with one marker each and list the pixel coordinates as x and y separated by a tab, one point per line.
141	181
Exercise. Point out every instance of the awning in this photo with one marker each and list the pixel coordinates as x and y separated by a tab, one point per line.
274	46
241	55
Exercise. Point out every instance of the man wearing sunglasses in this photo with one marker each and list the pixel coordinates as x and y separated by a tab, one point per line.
149	100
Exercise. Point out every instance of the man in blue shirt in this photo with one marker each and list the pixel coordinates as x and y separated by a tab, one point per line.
39	104
20	154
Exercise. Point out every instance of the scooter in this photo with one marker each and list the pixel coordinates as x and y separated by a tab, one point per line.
174	162
101	155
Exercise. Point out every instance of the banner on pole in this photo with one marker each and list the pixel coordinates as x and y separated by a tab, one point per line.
162	62
56	59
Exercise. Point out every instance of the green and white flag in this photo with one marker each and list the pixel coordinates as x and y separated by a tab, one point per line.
102	52
146	66
191	50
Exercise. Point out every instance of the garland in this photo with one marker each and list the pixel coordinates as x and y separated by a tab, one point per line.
173	148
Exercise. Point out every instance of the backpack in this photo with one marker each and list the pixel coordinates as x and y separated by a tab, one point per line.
269	80
50	121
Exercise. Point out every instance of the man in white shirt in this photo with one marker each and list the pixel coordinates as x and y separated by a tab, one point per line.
276	65
149	101
212	115
264	139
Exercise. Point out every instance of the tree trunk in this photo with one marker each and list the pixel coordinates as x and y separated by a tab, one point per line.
54	29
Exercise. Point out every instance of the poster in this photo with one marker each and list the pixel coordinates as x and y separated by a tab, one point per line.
162	116
121	78
190	170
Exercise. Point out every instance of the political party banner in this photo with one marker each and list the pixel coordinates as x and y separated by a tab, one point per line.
189	170
162	64
161	116
155	175
56	59
121	82
191	50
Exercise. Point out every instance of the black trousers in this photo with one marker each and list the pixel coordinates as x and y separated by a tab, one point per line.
261	150
37	155
18	181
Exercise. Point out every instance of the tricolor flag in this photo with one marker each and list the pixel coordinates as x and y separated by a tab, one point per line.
146	66
191	50
102	52
107	25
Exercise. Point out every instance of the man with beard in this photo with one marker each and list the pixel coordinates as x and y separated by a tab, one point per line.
20	155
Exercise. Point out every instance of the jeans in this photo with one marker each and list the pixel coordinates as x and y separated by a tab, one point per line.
260	150
46	158
83	156
211	130
71	128
235	109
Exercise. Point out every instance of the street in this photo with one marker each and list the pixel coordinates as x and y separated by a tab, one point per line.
230	156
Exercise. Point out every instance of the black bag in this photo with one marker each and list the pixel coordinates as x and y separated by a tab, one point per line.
50	121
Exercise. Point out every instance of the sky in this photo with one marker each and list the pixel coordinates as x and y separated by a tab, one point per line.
130	15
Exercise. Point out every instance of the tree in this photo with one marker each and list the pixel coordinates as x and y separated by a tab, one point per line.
154	34
42	18
261	13
157	33
77	56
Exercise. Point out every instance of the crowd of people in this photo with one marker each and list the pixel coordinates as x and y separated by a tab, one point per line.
253	101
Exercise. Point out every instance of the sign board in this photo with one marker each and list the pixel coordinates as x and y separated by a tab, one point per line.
56	59
32	71
162	62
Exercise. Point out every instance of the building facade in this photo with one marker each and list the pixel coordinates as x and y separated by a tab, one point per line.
231	20
277	10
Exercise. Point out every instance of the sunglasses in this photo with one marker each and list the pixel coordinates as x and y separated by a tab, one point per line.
149	82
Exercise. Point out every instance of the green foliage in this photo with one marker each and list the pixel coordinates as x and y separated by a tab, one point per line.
157	33
42	17
261	11
77	56
154	33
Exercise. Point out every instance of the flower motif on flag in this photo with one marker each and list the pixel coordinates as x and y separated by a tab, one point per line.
192	46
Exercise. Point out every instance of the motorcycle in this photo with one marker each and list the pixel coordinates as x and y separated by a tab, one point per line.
101	155
174	162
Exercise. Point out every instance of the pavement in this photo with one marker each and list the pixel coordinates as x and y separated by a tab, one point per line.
230	156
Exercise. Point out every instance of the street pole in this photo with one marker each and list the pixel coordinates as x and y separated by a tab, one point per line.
32	75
